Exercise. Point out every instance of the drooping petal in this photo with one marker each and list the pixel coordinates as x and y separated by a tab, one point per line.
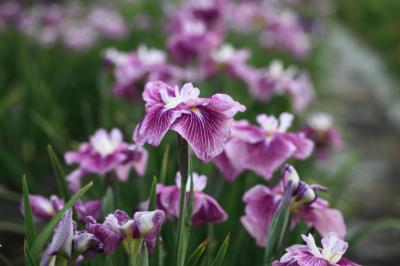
42	208
152	93
86	244
74	179
266	157
207	127
108	237
304	146
89	208
155	124
208	210
324	219
308	259
62	237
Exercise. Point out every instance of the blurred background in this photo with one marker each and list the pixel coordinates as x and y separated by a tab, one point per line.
54	89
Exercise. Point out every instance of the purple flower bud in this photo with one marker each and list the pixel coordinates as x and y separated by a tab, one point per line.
86	244
146	224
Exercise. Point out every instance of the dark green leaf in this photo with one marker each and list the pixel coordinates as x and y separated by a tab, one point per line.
194	258
164	164
46	233
219	259
4	260
152	195
28	218
60	176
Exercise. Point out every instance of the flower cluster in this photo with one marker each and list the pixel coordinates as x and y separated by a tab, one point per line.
103	153
71	25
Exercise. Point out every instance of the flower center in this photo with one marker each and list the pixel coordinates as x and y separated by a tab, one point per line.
187	92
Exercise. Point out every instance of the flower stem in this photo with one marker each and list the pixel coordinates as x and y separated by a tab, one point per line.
184	218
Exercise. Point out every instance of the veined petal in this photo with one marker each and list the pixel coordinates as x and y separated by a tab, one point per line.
152	93
209	210
155	124
307	259
265	157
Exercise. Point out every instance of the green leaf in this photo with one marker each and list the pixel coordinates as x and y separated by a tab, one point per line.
12	227
152	195
164	164
184	220
46	233
60	176
219	259
145	257
28	255
9	100
194	258
380	224
107	203
278	227
28	218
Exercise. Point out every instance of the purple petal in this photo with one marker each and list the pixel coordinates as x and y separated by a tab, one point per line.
207	127
42	208
62	237
155	124
89	208
307	259
151	93
74	179
304	146
86	244
108	237
209	210
266	157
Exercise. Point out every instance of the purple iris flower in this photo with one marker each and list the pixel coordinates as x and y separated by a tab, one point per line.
118	227
262	149
320	129
208	11
44	209
107	22
191	37
70	243
275	80
284	31
205	123
225	58
133	69
262	203
103	153
205	208
331	253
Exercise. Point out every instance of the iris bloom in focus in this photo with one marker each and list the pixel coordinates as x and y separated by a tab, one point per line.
205	208
103	153
262	149
262	203
205	123
331	253
118	227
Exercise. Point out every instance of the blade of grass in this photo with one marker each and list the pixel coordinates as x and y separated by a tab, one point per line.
4	260
219	259
107	203
60	176
152	195
9	195
164	164
28	255
28	218
194	258
47	231
278	227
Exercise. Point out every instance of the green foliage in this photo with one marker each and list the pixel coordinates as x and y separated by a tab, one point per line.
29	224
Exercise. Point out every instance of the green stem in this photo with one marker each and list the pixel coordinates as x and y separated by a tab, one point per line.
184	218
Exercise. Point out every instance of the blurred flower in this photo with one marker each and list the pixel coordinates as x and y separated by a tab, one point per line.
207	10
78	35
205	208
284	31
331	253
103	153
10	14
191	37
262	203
68	242
225	58
45	209
275	80
262	149
107	22
320	129
118	227
205	123
132	70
